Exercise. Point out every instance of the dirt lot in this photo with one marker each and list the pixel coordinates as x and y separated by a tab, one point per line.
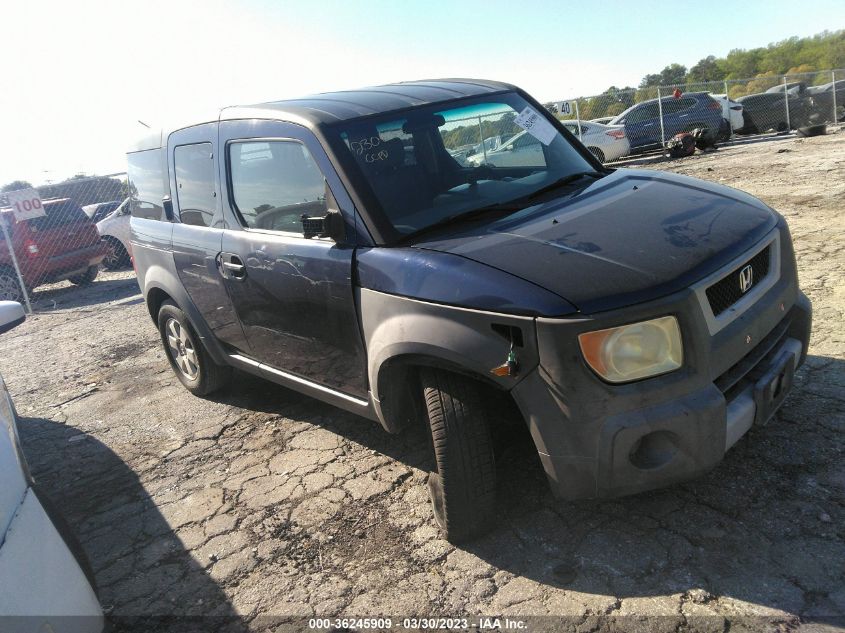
261	502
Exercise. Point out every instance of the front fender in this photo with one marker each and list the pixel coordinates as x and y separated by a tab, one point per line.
417	332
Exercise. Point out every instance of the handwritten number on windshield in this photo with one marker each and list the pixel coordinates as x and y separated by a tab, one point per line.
364	146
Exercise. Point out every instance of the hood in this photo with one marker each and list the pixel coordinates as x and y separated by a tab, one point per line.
633	236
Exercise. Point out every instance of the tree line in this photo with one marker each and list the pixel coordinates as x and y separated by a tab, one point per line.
746	71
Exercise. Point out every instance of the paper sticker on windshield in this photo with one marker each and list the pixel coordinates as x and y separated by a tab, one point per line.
536	125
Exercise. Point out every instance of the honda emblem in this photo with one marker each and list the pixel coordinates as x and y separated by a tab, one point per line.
746	279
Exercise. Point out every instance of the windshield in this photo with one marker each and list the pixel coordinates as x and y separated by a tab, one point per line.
431	163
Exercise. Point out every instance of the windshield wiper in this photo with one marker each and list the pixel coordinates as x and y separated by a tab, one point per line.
565	180
499	209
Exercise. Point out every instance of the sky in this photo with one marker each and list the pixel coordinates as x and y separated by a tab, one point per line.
77	77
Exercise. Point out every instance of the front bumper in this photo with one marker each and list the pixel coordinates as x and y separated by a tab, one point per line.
600	440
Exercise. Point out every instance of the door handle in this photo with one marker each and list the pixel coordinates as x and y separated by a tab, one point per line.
231	266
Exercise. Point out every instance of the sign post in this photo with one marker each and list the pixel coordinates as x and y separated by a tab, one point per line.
25	204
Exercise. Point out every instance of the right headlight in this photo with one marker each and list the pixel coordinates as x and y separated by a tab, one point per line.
635	351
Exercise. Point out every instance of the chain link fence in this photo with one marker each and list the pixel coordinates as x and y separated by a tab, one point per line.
649	118
62	233
67	232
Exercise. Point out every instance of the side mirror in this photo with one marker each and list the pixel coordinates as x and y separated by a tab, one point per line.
330	225
509	148
11	315
167	203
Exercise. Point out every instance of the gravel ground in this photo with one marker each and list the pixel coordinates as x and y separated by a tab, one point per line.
260	503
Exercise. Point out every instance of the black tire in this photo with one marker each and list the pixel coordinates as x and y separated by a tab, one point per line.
117	257
85	278
192	364
813	130
595	151
462	486
10	285
725	131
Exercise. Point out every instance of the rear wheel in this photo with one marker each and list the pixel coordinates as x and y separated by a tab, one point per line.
85	278
190	361
813	130
116	257
462	486
595	151
10	287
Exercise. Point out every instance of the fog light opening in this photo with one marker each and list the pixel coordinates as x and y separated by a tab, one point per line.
654	450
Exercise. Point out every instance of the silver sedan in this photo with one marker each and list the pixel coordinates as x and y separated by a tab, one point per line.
606	142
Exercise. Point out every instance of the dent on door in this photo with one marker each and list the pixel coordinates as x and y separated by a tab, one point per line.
294	300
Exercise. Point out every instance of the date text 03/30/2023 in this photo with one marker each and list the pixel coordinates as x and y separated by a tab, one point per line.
418	624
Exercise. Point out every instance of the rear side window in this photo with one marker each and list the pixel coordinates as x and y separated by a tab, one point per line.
60	213
678	105
194	166
275	183
147	184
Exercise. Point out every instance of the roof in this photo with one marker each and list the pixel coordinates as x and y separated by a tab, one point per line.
334	107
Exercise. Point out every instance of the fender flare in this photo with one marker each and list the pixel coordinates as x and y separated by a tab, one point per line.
159	279
402	333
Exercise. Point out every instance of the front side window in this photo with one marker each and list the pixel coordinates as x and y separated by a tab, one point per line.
147	184
644	112
194	166
275	183
434	162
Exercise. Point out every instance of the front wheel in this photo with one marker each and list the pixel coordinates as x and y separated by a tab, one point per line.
116	257
85	278
462	486
190	361
10	287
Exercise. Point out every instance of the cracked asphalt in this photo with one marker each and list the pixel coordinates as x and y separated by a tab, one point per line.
260	503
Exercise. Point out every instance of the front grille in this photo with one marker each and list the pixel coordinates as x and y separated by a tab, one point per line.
748	369
727	291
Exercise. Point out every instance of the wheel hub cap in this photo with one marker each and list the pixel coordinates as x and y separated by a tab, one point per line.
182	349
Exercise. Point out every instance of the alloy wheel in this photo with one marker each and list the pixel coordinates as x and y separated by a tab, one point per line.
182	349
112	258
10	289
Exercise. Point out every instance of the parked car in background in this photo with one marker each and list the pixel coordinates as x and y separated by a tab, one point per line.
604	120
638	323
46	581
114	229
489	144
680	114
62	244
520	150
794	87
731	112
824	99
767	111
605	142
100	210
